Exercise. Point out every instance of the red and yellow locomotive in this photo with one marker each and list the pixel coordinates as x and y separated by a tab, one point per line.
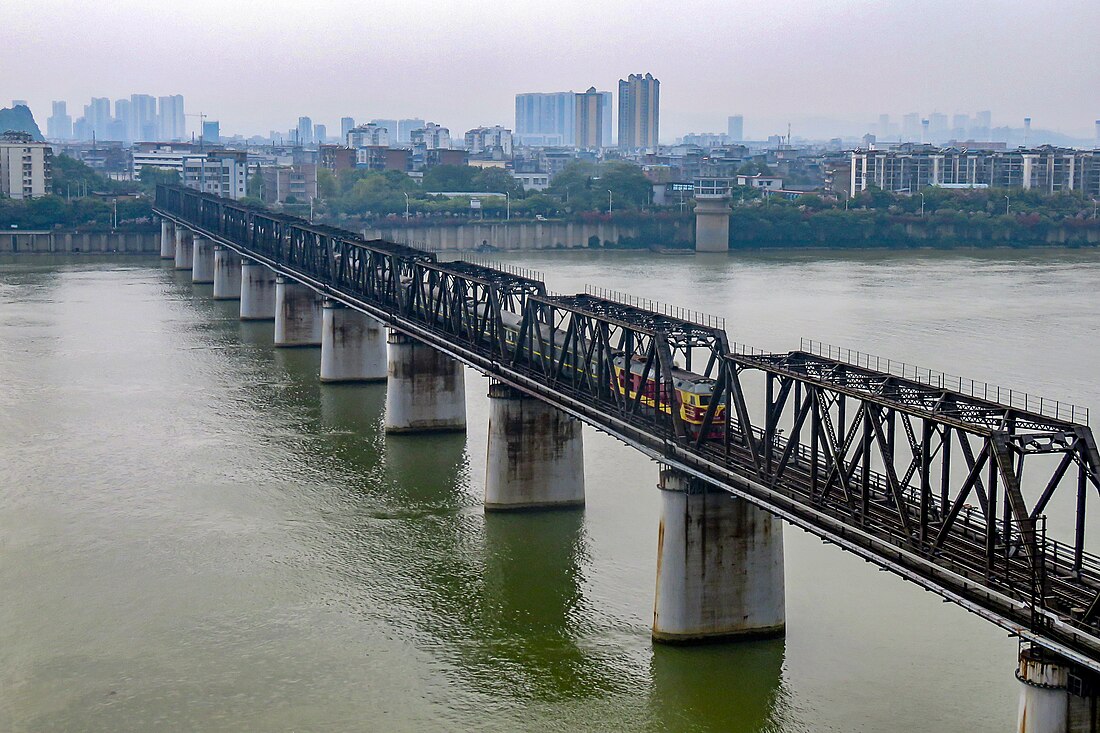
691	393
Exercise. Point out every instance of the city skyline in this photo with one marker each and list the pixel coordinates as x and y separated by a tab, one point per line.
780	64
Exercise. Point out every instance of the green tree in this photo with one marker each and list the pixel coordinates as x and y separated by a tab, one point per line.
151	177
450	178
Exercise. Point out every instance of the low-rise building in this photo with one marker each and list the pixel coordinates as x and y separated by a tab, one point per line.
533	181
381	158
289	183
337	158
220	172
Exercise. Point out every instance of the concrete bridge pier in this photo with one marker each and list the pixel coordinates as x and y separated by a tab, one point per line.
712	222
227	274
297	314
184	254
167	239
535	456
1056	696
353	345
202	262
257	291
425	390
719	566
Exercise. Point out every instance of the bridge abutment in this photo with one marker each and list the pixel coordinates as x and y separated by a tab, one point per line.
184	253
202	260
535	455
167	239
425	390
257	291
712	223
297	314
1056	696
719	566
353	345
227	274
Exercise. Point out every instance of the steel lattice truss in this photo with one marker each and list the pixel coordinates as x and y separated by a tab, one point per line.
924	481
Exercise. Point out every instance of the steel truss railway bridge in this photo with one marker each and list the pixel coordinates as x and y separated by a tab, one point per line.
919	473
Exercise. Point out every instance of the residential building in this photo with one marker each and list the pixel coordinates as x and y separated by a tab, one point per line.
533	181
588	125
320	134
220	172
735	128
392	128
367	136
431	136
346	124
171	121
97	114
59	125
120	126
546	118
167	156
26	166
143	118
911	168
639	112
493	141
337	158
381	158
406	127
293	183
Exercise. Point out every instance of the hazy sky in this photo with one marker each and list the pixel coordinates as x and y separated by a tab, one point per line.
257	66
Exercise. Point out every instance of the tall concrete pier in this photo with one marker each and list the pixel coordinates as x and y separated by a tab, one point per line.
425	390
712	222
297	314
257	291
719	565
353	345
202	260
167	239
227	274
535	456
184	252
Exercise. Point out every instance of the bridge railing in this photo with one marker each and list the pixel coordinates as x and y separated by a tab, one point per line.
1057	409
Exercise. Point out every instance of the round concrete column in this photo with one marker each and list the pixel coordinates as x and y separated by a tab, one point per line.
227	274
535	455
167	240
353	345
1044	700
202	262
719	566
257	291
712	223
297	314
184	254
425	390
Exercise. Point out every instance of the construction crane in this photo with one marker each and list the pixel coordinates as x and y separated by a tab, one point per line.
202	120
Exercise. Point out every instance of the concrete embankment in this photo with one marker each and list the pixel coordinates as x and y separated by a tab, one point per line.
523	235
76	242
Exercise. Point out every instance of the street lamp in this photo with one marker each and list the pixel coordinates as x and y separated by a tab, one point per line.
921	204
406	205
609	202
508	207
1007	202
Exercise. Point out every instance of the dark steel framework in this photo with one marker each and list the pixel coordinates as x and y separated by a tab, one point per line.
917	478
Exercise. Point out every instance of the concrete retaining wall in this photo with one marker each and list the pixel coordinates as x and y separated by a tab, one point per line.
59	242
506	236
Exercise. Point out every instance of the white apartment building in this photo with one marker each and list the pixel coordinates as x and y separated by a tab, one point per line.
368	136
487	139
432	137
219	172
26	167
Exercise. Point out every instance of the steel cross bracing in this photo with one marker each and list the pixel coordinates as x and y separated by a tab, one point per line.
923	481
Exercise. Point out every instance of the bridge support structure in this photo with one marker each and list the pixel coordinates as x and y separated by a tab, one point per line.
184	253
719	566
712	223
535	455
425	391
1055	695
227	274
297	314
202	260
167	239
257	291
353	345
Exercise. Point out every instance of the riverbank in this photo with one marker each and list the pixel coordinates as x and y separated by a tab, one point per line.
56	241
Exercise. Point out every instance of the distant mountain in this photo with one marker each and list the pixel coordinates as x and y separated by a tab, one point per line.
20	119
